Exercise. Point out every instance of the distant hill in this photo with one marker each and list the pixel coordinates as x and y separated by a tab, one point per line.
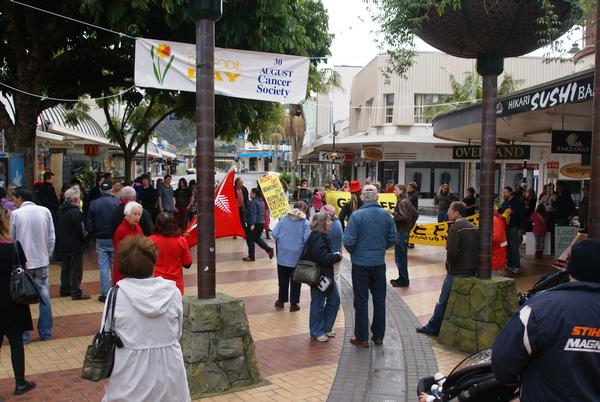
178	132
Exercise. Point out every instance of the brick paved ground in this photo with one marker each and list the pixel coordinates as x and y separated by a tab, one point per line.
306	374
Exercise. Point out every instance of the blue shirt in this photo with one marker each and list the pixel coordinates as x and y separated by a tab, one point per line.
370	232
336	234
290	235
166	197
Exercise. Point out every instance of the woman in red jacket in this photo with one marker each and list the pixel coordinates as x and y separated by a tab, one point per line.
128	227
173	251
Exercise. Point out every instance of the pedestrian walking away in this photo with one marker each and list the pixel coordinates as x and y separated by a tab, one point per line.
462	260
14	318
290	234
255	220
99	225
324	297
370	232
71	231
32	226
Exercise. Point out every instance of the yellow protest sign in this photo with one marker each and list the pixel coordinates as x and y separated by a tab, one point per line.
435	234
337	199
274	196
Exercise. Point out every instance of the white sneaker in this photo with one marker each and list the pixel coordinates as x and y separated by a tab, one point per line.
515	270
330	334
322	338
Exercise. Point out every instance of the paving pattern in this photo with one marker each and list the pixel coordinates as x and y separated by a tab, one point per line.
294	367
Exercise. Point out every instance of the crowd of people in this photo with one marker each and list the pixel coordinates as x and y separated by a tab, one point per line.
137	231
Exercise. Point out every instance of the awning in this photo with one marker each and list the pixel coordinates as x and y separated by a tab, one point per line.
527	116
257	155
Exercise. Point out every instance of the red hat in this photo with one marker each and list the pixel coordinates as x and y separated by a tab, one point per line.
355	186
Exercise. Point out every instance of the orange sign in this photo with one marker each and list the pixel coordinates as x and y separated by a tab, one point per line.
91	150
576	171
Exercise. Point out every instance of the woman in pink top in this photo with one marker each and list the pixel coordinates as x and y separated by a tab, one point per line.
317	200
539	219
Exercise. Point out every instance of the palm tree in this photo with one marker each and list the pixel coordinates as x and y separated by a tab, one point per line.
469	91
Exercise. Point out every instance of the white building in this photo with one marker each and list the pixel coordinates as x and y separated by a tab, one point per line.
390	137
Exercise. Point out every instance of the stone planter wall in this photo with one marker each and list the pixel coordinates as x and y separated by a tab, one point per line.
217	346
477	309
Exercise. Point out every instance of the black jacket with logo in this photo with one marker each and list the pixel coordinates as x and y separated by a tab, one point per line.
553	345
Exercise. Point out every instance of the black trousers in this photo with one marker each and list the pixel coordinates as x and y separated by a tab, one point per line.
17	352
254	237
71	273
284	276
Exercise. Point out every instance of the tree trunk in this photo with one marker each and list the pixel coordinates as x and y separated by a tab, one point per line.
128	157
21	137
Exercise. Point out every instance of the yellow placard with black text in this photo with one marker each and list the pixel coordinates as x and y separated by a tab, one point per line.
337	199
274	196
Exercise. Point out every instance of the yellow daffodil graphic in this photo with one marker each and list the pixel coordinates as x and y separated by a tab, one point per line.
162	52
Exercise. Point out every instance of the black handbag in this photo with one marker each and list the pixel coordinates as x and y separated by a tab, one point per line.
100	355
23	289
306	271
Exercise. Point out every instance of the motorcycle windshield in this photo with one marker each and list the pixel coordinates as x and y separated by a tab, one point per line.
482	357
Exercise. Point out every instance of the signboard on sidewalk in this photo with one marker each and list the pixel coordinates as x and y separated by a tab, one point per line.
274	196
563	236
238	73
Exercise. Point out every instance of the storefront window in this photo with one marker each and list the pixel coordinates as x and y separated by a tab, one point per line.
388	171
429	176
252	162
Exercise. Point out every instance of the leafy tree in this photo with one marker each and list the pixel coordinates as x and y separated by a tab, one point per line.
44	54
470	91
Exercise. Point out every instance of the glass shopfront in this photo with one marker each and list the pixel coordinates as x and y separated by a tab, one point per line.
430	176
386	171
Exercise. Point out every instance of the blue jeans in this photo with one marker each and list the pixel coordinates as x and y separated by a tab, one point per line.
323	309
365	279
443	215
105	251
401	256
513	235
435	322
44	323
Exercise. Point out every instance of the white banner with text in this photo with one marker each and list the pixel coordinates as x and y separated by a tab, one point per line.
238	73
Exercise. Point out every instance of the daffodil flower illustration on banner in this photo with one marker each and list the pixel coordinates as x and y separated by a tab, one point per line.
162	51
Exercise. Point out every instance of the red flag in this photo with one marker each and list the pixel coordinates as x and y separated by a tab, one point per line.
227	215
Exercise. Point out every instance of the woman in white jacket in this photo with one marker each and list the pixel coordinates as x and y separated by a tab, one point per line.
148	319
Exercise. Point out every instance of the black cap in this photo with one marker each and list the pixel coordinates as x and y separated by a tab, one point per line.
106	185
584	263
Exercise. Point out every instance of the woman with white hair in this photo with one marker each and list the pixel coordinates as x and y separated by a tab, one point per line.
324	299
129	227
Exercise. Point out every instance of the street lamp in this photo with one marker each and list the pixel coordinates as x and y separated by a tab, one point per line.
205	13
333	153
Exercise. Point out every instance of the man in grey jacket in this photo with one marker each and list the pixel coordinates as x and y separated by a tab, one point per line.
462	259
370	232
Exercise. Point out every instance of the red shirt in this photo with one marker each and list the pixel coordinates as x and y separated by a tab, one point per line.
123	230
173	254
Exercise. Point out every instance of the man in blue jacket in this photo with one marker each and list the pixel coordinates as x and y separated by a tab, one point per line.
98	223
255	222
370	232
553	343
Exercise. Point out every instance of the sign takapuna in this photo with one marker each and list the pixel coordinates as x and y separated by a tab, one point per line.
238	73
519	152
571	142
574	91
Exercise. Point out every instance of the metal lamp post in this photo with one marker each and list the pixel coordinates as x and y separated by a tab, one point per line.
205	13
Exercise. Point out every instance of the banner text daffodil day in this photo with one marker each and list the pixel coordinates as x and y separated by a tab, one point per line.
238	73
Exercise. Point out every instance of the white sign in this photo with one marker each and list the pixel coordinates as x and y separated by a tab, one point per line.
563	236
536	174
238	73
325	156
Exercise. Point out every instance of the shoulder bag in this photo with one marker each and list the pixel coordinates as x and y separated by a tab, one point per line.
100	355
23	289
306	271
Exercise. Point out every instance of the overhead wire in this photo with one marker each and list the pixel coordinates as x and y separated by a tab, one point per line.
43	97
